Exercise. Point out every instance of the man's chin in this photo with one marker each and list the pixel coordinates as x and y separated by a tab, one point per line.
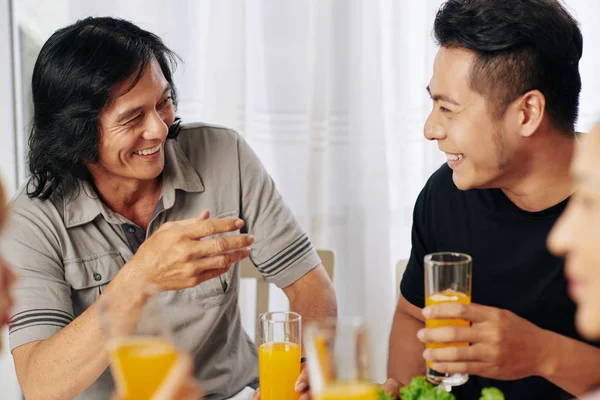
461	182
149	175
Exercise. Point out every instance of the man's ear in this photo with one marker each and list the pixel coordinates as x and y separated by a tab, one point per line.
531	108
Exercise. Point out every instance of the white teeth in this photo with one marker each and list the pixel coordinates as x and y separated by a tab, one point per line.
147	152
454	157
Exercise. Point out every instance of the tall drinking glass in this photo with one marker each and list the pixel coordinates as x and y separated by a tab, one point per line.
279	355
139	344
447	279
338	360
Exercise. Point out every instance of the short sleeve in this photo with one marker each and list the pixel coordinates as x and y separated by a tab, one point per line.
282	251
412	286
42	296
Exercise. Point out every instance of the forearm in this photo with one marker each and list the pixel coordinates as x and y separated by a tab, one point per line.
313	307
313	296
568	363
405	356
71	360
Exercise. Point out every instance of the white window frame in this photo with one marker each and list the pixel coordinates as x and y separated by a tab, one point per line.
8	142
8	167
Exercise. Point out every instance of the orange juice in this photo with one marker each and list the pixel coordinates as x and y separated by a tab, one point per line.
279	368
348	391
446	296
140	364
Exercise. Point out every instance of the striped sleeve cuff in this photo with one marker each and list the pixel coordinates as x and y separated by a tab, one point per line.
291	263
286	257
37	324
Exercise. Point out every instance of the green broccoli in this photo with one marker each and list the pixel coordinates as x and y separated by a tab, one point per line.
383	395
491	393
420	389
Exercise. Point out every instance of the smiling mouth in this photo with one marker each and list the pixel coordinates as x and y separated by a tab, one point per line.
454	157
147	152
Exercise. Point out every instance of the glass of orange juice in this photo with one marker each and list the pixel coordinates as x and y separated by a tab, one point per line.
279	355
447	279
338	360
139	344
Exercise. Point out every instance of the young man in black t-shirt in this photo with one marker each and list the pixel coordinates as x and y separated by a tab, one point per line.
505	89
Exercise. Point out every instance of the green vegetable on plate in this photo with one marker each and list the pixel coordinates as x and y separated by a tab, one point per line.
420	389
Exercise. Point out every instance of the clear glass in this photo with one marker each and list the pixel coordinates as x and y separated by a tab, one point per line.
447	279
339	360
139	343
279	355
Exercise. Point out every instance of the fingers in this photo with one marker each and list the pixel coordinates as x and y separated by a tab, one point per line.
391	386
197	228
448	334
256	395
218	264
469	312
462	353
305	396
302	382
205	214
469	367
218	245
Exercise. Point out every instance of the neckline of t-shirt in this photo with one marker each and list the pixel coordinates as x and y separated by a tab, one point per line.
548	213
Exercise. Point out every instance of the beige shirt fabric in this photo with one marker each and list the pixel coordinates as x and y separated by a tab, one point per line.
67	249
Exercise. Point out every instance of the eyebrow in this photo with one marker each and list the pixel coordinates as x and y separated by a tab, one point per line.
442	97
125	115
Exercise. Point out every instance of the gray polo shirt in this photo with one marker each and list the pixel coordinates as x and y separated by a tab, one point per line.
67	249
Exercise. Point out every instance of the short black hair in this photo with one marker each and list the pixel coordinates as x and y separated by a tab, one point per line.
72	83
519	45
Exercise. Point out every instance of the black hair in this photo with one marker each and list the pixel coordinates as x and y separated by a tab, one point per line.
73	79
519	45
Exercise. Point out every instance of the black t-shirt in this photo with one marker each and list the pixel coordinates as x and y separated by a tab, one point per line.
512	268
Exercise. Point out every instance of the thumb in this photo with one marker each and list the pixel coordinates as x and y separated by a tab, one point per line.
256	395
205	214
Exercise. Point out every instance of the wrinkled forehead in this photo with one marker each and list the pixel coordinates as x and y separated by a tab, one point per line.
143	83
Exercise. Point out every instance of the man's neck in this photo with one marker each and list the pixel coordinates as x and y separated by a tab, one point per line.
133	199
543	180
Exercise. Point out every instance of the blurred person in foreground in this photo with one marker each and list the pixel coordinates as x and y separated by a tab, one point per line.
7	277
576	237
116	197
505	91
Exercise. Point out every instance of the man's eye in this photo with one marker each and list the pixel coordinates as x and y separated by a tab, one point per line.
133	120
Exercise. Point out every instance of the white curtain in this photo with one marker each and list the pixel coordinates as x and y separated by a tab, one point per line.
331	95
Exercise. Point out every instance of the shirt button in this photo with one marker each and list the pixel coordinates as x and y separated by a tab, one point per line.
130	229
97	276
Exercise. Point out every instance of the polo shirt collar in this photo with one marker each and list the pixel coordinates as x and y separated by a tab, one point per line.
83	205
